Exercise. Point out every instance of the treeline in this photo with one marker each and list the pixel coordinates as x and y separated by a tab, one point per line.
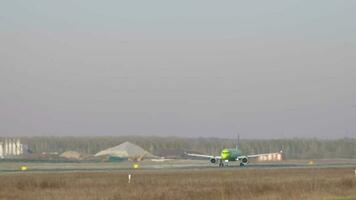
162	146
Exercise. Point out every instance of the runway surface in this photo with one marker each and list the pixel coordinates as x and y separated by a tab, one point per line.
148	165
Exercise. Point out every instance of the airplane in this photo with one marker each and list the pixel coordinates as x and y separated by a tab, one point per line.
230	154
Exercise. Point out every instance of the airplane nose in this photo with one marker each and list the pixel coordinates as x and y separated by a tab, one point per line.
224	156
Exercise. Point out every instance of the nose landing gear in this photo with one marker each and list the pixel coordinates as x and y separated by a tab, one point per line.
221	163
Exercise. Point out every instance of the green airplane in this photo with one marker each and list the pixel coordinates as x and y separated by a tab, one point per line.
233	154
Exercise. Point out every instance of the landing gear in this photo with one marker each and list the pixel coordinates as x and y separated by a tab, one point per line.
221	163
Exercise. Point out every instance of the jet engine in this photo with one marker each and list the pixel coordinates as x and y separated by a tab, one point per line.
213	160
244	161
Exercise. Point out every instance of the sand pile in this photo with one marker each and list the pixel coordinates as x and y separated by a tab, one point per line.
71	155
125	150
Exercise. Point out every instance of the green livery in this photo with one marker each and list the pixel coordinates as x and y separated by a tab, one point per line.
230	154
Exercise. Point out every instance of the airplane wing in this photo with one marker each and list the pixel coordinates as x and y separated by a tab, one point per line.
202	156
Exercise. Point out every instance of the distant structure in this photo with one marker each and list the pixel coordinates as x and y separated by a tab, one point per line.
1	151
271	157
11	148
126	150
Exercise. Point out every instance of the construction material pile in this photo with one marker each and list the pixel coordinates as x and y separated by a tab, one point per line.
72	155
125	150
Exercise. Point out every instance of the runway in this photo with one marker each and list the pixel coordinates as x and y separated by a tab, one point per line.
170	165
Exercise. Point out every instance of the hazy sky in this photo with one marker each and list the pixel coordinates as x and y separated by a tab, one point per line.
186	68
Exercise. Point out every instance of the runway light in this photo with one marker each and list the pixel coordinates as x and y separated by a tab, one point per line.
23	168
135	166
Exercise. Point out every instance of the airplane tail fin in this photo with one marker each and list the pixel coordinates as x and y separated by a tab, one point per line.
238	141
281	152
281	149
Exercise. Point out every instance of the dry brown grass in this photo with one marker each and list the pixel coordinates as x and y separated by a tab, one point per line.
202	185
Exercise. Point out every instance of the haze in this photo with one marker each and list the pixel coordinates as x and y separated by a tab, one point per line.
265	69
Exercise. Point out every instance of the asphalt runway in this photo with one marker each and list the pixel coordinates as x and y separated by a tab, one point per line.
174	165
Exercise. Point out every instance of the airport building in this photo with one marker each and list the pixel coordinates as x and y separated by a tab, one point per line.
271	157
11	148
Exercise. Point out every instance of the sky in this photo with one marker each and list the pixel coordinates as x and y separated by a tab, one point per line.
188	68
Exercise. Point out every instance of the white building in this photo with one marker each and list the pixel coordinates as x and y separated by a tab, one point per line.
11	148
1	151
271	157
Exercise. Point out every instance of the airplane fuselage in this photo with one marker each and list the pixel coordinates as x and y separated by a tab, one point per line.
230	154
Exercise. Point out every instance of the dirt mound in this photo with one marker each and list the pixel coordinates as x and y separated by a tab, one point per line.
125	150
71	155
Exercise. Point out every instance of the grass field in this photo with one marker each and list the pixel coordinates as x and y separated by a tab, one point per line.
311	183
